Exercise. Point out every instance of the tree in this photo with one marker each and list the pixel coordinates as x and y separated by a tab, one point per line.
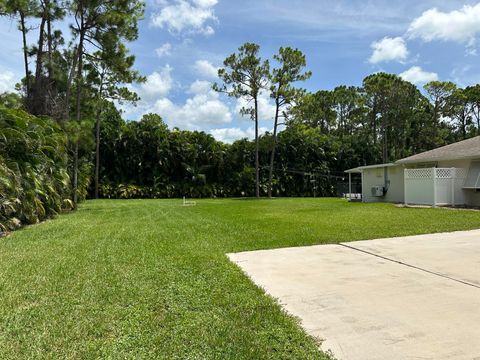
290	70
107	69
245	75
439	92
391	102
346	102
459	110
316	110
103	25
11	101
473	99
41	87
23	9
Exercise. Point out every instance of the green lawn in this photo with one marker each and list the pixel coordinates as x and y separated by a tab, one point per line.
150	279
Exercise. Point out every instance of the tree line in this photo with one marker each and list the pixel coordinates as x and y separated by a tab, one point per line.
68	76
76	79
388	118
325	133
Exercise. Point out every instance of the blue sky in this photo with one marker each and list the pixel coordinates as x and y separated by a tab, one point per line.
182	42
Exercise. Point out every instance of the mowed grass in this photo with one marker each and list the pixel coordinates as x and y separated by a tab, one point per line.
150	278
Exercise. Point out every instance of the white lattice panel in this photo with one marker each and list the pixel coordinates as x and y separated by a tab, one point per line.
461	173
418	174
435	186
444	173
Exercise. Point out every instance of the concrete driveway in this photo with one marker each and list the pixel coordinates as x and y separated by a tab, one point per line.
415	297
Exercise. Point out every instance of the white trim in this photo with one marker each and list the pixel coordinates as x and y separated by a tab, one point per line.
454	176
433	160
363	192
361	168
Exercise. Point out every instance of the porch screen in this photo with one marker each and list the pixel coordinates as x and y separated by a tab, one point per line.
472	180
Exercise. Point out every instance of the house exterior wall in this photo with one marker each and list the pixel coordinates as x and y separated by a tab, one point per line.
396	192
419	186
471	197
465	163
375	177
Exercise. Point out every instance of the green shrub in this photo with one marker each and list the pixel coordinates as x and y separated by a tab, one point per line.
34	181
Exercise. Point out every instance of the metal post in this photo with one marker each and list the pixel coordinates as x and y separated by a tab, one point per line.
363	187
350	185
405	176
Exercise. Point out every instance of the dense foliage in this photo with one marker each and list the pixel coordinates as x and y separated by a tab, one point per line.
326	133
34	180
315	137
146	159
70	80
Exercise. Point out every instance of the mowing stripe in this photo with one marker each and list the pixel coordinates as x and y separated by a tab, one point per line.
411	266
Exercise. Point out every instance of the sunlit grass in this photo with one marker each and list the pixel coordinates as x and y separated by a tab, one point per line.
150	279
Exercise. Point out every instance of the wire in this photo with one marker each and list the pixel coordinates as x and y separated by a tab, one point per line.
309	173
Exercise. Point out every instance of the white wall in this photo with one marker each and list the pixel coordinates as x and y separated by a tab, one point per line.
420	186
375	177
470	197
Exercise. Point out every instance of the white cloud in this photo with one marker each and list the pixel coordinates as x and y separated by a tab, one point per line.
266	108
205	3
7	81
388	49
416	75
189	16
158	84
460	26
206	69
203	109
164	50
229	135
200	87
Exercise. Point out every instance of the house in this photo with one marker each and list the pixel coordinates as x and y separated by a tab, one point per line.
449	175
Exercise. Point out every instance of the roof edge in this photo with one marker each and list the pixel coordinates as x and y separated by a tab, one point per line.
360	168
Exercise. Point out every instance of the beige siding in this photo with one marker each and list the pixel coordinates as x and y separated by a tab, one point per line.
472	197
454	163
375	177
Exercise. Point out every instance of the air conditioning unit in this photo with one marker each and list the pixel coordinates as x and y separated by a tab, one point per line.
378	191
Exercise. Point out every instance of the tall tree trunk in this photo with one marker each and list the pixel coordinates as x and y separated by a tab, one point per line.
78	116
477	116
97	151
272	155
97	134
374	125
257	161
49	47
36	104
49	86
25	53
71	75
75	175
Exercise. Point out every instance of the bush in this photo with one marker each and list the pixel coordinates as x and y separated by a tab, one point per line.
34	181
161	191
